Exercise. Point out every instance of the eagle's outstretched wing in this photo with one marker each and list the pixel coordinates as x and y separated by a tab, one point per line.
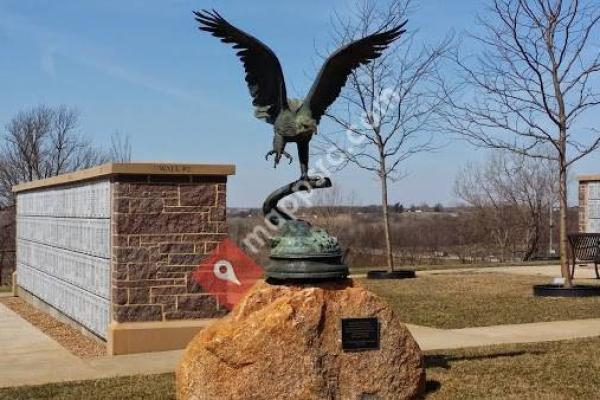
264	75
339	66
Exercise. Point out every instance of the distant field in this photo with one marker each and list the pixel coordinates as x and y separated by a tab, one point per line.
427	238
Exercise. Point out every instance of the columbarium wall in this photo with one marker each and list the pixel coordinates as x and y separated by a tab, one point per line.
113	248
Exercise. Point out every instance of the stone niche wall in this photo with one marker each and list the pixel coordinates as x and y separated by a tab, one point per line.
589	204
162	228
119	243
63	250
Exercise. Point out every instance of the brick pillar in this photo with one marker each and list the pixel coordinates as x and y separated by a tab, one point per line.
162	227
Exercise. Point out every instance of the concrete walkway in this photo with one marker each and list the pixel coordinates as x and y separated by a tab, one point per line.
582	272
441	339
29	357
551	271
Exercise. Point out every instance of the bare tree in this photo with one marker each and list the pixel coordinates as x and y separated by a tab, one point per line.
509	193
389	106
120	148
7	244
531	85
43	142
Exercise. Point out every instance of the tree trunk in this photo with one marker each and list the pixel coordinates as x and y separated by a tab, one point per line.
562	158
532	243
562	195
386	222
534	230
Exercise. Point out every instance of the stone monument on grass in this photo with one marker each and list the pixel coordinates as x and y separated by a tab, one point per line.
307	332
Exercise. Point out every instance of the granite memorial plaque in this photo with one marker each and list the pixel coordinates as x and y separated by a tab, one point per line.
360	334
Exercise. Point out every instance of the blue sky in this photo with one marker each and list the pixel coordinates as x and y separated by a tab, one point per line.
141	67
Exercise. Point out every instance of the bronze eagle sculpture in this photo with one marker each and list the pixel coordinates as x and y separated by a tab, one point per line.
294	120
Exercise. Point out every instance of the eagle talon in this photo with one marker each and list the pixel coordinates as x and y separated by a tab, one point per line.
278	156
270	153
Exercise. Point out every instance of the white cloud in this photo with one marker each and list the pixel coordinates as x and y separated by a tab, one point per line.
84	53
48	62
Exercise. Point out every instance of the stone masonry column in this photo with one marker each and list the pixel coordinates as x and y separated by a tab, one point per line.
162	226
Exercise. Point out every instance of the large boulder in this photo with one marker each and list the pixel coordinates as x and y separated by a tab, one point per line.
284	342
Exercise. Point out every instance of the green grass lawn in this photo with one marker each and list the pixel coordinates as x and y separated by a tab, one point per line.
477	299
5	289
557	371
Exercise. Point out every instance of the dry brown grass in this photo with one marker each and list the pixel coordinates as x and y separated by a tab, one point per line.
142	387
565	370
557	370
68	337
477	299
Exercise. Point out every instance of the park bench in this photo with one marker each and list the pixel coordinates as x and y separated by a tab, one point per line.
585	247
